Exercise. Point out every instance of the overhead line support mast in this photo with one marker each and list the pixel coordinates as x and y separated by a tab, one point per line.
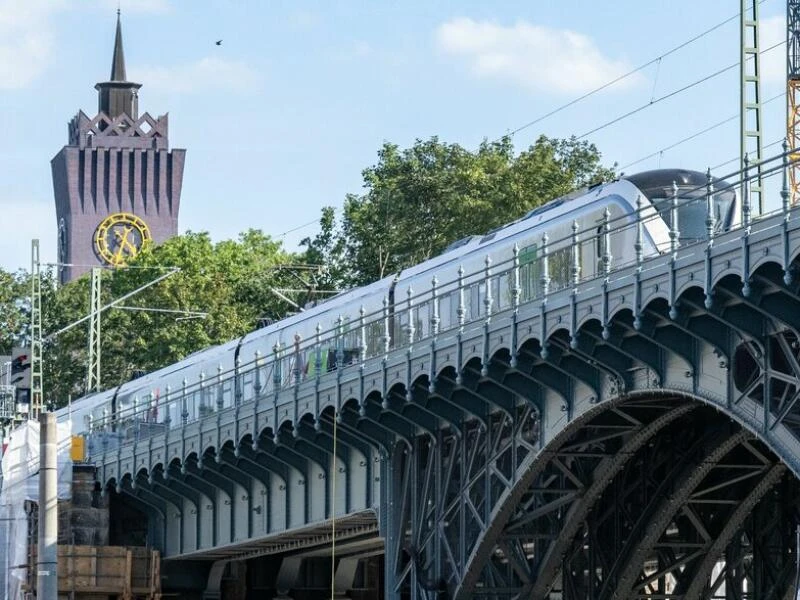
750	99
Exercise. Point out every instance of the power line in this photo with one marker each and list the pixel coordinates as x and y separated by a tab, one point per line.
669	95
299	227
732	160
626	75
608	84
694	135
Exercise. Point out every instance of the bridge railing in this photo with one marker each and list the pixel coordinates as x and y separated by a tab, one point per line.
460	299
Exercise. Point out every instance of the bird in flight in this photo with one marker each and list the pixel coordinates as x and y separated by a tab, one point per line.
219	42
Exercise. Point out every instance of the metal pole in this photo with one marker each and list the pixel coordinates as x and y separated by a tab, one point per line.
750	98
37	378
93	376
47	558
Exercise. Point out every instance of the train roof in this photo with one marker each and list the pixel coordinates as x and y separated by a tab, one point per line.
654	183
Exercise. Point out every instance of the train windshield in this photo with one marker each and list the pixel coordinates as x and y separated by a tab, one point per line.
692	212
657	186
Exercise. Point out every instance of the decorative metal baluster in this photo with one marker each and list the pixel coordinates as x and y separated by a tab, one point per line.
710	219
461	312
785	206
167	406
606	264
435	320
185	405
607	257
339	342
318	352
297	371
576	255
674	232
545	280
362	349
220	390
258	387
545	291
710	222
746	208
746	224
387	338
277	367
638	246
202	380
487	297
785	184
411	331
674	243
516	290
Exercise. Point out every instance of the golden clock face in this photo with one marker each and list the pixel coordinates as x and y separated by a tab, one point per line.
120	237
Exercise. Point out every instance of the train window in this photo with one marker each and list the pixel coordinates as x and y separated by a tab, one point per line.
560	267
692	212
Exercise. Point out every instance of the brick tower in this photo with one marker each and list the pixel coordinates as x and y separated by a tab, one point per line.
117	184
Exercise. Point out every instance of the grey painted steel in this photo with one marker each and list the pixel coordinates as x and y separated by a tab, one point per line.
446	438
47	551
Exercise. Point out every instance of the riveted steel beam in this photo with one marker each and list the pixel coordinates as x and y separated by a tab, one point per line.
573	520
702	573
657	516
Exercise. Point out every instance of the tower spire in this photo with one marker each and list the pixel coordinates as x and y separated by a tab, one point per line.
118	95
118	62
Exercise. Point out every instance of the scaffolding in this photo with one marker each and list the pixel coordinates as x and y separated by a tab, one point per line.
793	93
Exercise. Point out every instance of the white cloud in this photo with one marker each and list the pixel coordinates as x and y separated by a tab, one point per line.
27	36
773	63
209	73
26	40
534	57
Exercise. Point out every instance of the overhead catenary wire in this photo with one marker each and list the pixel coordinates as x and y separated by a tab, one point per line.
624	76
697	82
657	60
737	158
695	135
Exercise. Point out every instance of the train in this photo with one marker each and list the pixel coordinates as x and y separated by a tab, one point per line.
580	235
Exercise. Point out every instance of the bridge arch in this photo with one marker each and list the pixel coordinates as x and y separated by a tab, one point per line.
672	411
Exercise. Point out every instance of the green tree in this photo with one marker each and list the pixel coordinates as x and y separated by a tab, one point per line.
230	281
14	307
419	200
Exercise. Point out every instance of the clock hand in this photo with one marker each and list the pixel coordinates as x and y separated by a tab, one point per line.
122	238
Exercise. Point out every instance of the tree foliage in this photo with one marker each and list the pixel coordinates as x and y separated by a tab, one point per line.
416	201
229	282
14	319
419	200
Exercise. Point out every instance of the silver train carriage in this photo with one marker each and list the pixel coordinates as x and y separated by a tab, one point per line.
440	293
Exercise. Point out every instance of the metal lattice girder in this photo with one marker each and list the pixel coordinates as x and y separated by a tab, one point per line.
37	378
446	487
751	142
93	375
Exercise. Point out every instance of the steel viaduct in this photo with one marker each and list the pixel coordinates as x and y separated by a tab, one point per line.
631	436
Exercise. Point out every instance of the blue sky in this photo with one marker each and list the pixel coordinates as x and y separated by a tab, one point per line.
281	118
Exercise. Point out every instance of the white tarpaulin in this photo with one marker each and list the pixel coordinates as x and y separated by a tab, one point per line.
20	482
